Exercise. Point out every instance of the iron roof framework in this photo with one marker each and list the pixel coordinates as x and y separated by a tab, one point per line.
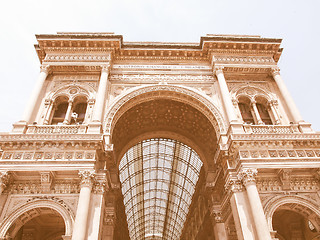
158	178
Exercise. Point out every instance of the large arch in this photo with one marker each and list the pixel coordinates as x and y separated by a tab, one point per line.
65	213
276	202
188	95
180	99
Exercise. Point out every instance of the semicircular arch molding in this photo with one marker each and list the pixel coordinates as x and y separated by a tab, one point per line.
277	202
71	91
252	92
65	213
183	94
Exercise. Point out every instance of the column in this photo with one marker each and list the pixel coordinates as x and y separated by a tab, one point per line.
241	210
96	212
49	111
4	179
219	226
256	112
273	110
80	224
247	176
101	94
286	96
232	117
44	70
67	118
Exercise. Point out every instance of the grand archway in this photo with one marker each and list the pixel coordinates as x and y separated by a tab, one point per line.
162	145
37	224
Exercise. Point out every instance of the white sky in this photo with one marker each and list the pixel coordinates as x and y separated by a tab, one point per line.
296	22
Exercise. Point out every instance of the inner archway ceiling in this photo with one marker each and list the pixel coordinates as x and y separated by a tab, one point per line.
165	115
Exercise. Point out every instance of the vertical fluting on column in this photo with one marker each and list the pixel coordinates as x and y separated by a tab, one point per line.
34	98
80	225
226	98
247	176
4	179
286	96
101	94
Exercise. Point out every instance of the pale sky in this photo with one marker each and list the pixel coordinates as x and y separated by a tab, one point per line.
296	22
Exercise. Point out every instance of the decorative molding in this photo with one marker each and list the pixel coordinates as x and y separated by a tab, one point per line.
4	179
162	78
77	57
243	59
87	178
248	175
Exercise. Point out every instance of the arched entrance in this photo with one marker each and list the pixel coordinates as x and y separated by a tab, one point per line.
38	219
294	221
37	224
293	217
158	137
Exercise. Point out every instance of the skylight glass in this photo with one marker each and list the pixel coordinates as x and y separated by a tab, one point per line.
158	178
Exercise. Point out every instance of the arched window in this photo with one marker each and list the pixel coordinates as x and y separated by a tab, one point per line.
60	110
79	110
245	110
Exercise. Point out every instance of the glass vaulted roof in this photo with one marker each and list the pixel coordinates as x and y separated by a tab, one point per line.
158	178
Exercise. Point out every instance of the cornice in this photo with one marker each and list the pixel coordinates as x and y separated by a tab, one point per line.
79	42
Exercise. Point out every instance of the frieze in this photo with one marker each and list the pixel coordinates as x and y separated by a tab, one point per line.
279	153
161	78
45	156
243	60
77	58
296	184
182	67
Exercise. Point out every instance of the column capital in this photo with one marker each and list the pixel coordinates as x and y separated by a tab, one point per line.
217	216
45	68
248	175
273	102
275	71
4	179
87	178
105	67
234	185
218	69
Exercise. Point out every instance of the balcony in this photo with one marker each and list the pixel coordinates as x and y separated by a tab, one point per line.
271	129
57	129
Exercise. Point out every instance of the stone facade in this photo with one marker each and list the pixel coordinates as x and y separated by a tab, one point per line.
97	97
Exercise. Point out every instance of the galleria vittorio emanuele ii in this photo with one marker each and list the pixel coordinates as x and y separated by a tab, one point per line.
159	141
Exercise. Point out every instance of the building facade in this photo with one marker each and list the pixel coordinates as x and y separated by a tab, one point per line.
142	140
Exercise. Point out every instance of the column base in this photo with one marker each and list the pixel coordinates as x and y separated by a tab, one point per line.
94	127
20	127
305	127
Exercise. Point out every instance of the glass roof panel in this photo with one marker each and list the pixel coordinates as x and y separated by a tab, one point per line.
158	178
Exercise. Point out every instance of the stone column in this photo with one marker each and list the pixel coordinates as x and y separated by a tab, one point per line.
44	70
101	94
95	224
80	224
275	115
247	176
219	226
4	179
67	118
241	210
95	125
49	106
286	96
256	112
232	117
